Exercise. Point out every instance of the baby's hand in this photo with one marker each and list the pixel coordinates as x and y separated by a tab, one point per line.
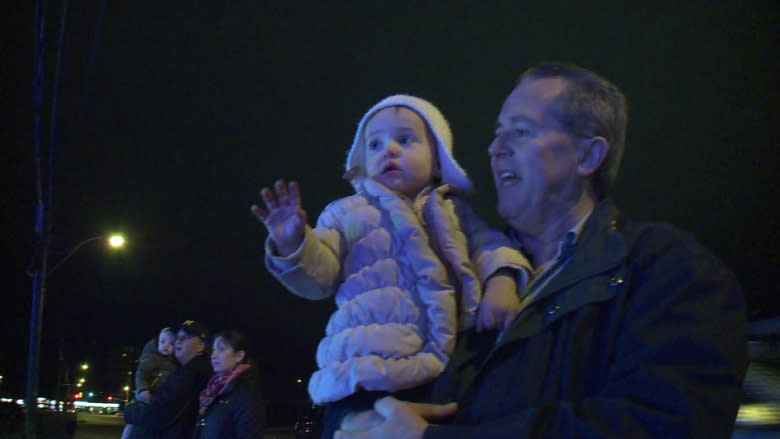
500	303
145	396
283	216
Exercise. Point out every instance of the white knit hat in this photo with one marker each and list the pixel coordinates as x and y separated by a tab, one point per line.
451	172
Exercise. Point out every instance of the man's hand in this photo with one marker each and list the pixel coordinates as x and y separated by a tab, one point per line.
392	418
283	216
500	303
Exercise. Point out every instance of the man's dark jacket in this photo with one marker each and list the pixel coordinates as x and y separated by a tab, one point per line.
642	334
237	413
174	406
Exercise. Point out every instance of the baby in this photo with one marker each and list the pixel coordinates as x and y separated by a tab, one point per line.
405	256
154	365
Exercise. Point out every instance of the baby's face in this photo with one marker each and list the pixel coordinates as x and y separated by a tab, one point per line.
399	151
165	343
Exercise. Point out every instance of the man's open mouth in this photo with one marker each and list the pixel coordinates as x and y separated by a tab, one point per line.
507	178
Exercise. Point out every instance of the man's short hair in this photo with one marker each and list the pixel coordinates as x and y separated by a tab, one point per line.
590	106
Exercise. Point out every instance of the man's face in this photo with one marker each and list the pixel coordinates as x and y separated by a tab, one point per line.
399	153
534	160
187	347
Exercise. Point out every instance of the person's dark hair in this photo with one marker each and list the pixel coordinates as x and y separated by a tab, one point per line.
590	106
236	340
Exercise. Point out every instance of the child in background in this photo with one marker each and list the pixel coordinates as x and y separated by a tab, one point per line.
405	256
154	365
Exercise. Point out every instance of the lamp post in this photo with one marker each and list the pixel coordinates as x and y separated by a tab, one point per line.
39	273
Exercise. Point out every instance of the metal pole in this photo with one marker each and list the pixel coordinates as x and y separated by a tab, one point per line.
40	254
44	189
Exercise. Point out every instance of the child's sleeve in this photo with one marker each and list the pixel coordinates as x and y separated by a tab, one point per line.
490	249
145	373
313	270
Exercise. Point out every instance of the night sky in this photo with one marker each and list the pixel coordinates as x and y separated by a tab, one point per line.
171	115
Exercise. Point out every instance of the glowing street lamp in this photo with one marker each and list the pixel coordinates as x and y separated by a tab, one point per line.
116	241
84	366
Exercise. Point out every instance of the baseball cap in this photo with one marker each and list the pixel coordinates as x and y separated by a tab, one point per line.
195	329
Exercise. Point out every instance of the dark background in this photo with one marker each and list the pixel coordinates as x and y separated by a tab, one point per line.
171	115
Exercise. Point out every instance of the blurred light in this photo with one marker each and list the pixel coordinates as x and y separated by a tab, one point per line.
107	405
91	394
84	366
758	414
116	241
299	380
126	388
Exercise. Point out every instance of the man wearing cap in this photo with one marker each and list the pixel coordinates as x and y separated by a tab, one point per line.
172	411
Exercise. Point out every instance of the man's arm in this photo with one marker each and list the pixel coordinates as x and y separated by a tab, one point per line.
170	400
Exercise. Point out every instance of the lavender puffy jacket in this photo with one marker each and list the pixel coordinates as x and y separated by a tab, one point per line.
406	280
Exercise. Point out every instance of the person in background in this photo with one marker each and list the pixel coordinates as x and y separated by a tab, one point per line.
231	406
154	365
629	329
173	409
405	257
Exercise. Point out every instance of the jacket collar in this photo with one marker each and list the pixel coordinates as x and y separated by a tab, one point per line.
599	248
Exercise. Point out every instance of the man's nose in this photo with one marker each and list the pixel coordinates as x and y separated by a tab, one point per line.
498	147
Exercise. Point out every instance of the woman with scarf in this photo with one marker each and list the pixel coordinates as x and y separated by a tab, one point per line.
230	404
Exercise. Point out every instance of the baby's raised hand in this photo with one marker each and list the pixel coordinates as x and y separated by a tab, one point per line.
283	216
500	303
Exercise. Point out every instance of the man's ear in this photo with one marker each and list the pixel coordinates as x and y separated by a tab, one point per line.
593	151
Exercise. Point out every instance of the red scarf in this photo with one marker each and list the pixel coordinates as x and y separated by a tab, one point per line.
217	385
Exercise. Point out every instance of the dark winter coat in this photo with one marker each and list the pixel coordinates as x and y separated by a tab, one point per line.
153	368
173	410
642	334
237	413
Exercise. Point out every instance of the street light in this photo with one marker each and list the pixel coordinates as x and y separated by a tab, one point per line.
114	241
38	271
84	366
